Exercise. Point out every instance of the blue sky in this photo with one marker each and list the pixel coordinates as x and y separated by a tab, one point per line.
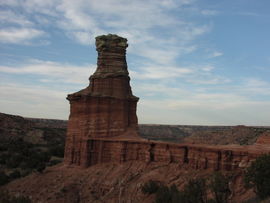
199	62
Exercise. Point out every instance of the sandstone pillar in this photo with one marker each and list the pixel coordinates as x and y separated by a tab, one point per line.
107	107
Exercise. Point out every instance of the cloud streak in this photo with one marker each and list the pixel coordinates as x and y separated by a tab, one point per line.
52	71
19	35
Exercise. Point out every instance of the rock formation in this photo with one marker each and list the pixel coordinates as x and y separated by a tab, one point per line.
103	125
107	107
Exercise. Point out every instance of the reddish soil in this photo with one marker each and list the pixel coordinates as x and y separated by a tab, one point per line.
111	182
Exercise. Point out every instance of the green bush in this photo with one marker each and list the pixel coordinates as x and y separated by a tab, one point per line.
258	176
219	185
14	161
3	178
170	195
54	162
195	191
14	175
163	195
3	158
176	195
150	187
40	168
5	197
57	150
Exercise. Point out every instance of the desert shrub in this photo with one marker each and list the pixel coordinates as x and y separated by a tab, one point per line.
40	168
5	197
176	195
54	162
31	162
44	156
14	175
3	158
14	161
258	176
3	178
19	146
3	146
219	185
25	172
163	195
169	195
195	191
57	150
36	159
150	187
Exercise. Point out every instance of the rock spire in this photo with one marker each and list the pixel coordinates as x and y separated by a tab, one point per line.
107	107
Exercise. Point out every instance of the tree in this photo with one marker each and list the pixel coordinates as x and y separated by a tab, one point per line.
3	178
41	166
14	175
150	187
219	185
258	176
195	191
6	197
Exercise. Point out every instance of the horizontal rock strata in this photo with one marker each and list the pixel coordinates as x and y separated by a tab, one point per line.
107	107
224	158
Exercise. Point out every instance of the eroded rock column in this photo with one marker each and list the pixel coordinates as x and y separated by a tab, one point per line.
107	107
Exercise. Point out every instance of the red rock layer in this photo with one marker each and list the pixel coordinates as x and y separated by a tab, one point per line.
264	138
106	108
225	158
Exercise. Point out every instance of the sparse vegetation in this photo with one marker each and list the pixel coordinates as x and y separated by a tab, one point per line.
219	185
258	176
3	178
195	191
150	187
6	197
20	158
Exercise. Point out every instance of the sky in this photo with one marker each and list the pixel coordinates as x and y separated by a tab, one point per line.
196	62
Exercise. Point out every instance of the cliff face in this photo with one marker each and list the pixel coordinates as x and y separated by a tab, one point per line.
107	107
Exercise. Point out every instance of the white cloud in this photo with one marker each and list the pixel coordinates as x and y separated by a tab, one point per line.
7	17
209	12
208	80
19	35
221	109
255	86
142	22
10	3
216	54
53	71
160	72
33	101
208	68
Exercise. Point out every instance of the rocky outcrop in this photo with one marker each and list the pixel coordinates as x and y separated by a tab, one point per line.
107	107
102	126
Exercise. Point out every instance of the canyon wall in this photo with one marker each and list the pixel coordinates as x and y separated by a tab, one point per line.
225	158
